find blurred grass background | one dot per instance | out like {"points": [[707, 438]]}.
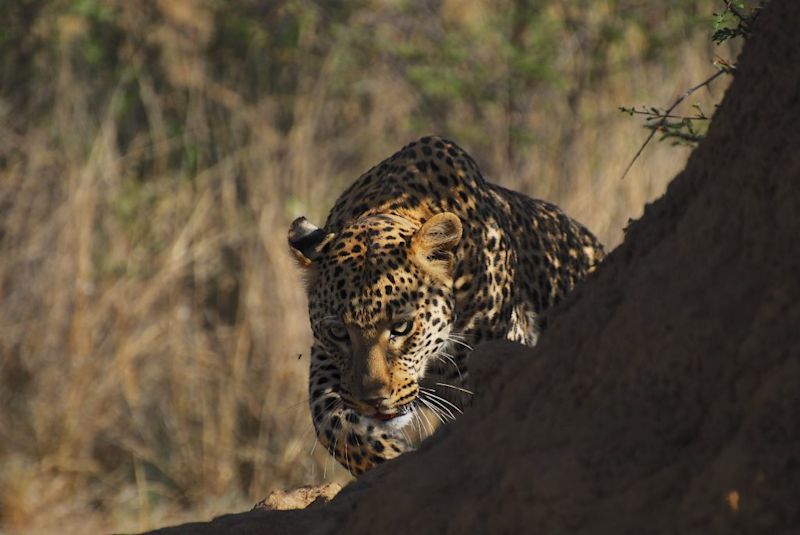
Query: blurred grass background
{"points": [[153, 332]]}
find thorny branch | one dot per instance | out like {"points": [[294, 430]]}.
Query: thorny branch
{"points": [[675, 129], [666, 115]]}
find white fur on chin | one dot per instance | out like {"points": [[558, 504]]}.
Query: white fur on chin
{"points": [[396, 423]]}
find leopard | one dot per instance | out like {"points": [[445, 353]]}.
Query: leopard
{"points": [[420, 260]]}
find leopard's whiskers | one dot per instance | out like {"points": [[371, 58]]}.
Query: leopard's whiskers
{"points": [[346, 460], [440, 405], [436, 413], [450, 338], [461, 336], [405, 435], [447, 357], [331, 456], [429, 426], [460, 389], [443, 417], [431, 395], [415, 419], [314, 445], [328, 418]]}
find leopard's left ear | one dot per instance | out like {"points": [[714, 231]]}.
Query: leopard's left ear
{"points": [[306, 240], [432, 245]]}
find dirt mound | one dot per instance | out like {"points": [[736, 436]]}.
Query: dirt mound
{"points": [[664, 398]]}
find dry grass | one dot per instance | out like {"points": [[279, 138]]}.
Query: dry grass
{"points": [[153, 336]]}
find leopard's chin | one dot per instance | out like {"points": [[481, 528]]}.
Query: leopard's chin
{"points": [[394, 420], [398, 422]]}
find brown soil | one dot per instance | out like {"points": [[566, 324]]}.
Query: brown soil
{"points": [[665, 398]]}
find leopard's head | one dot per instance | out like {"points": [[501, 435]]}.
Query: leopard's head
{"points": [[381, 305]]}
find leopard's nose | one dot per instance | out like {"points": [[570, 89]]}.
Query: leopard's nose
{"points": [[372, 391], [378, 402]]}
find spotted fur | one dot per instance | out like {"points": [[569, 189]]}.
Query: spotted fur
{"points": [[420, 260]]}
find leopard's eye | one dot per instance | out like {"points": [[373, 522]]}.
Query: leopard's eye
{"points": [[400, 328], [338, 332]]}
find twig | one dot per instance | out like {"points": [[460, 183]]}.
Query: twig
{"points": [[744, 22], [692, 138], [655, 115], [666, 113]]}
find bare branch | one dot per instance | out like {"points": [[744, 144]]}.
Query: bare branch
{"points": [[658, 115], [743, 21], [669, 110]]}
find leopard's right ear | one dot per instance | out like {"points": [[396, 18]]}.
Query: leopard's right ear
{"points": [[306, 240]]}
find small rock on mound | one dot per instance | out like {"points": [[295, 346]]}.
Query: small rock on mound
{"points": [[299, 498]]}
